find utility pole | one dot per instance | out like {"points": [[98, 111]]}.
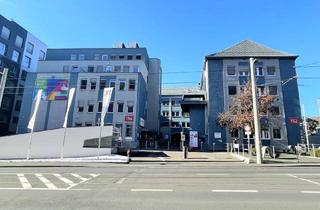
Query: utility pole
{"points": [[257, 140], [3, 83]]}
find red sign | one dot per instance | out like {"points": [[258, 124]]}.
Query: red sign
{"points": [[128, 118], [293, 120]]}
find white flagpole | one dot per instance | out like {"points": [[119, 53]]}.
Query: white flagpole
{"points": [[70, 97], [32, 121], [107, 92]]}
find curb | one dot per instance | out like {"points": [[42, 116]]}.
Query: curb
{"points": [[242, 158]]}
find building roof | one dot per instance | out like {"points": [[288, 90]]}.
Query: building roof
{"points": [[181, 91], [248, 48]]}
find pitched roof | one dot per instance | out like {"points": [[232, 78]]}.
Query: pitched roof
{"points": [[248, 48]]}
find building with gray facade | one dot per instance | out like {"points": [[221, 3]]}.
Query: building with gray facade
{"points": [[19, 52], [225, 72], [136, 79]]}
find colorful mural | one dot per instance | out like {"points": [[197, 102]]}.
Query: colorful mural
{"points": [[53, 89]]}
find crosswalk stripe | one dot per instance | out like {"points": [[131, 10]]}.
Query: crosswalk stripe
{"points": [[24, 181], [64, 179], [79, 177], [46, 181], [94, 175]]}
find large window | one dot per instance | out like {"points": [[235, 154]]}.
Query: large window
{"points": [[135, 69], [91, 69], [103, 84], [165, 113], [105, 57], [132, 84], [277, 133], [232, 90], [126, 68], [130, 107], [261, 90], [96, 57], [110, 107], [275, 110], [83, 84], [265, 134], [19, 41], [15, 56], [122, 85], [112, 83], [5, 33], [90, 106], [273, 90], [3, 49], [117, 68], [120, 106], [271, 70], [93, 84], [27, 61], [80, 105], [231, 70], [128, 130], [30, 47]]}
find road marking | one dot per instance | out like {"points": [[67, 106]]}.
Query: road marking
{"points": [[45, 189], [235, 191], [24, 181], [311, 192], [46, 181], [80, 177], [120, 181], [67, 181], [306, 180], [94, 175], [151, 190], [212, 174]]}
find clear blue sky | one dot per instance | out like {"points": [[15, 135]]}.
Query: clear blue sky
{"points": [[180, 32]]}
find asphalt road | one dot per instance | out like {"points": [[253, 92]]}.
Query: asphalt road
{"points": [[160, 186]]}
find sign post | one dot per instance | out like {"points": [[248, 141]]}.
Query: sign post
{"points": [[247, 129]]}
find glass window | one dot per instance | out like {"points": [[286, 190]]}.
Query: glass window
{"points": [[80, 106], [5, 33], [117, 68], [108, 68], [30, 47], [96, 57], [128, 130], [65, 68], [138, 57], [90, 68], [265, 134], [112, 57], [100, 68], [273, 90], [3, 49], [93, 84], [73, 57], [122, 85], [234, 133], [90, 106], [83, 84], [259, 71], [271, 70], [99, 106], [78, 124], [119, 126], [132, 84], [231, 70], [112, 83], [19, 41], [18, 105], [15, 56], [75, 69], [81, 57], [232, 90], [27, 61], [121, 57], [135, 69], [126, 68], [130, 107], [105, 57], [103, 84], [110, 107], [120, 106], [261, 90], [243, 73], [88, 124], [165, 103], [42, 55], [275, 111], [130, 57], [277, 133], [23, 75], [15, 120]]}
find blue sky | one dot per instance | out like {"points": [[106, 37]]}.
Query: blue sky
{"points": [[180, 32]]}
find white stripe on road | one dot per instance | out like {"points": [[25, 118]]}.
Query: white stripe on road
{"points": [[94, 175], [120, 181], [65, 180], [311, 192], [45, 189], [235, 191], [212, 174], [151, 190], [46, 182], [306, 180], [24, 181], [80, 177]]}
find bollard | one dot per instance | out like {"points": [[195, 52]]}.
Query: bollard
{"points": [[313, 151], [168, 145], [227, 147], [274, 152], [213, 147]]}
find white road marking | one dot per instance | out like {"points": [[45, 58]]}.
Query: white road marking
{"points": [[45, 189], [80, 177], [212, 174], [120, 181], [235, 191], [94, 175], [65, 180], [311, 192], [151, 190], [306, 180], [24, 181], [46, 181]]}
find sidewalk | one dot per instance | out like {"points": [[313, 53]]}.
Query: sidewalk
{"points": [[177, 156]]}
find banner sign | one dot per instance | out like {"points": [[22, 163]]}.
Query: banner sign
{"points": [[53, 89], [193, 139], [107, 92], [293, 120], [128, 118], [71, 93], [34, 114]]}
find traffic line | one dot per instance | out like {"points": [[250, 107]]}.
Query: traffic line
{"points": [[235, 191], [212, 174], [44, 189], [151, 190], [46, 181], [24, 181], [80, 177], [120, 181], [65, 180], [311, 192], [306, 180], [94, 175]]}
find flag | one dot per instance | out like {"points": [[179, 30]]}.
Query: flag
{"points": [[33, 117], [107, 92], [70, 97]]}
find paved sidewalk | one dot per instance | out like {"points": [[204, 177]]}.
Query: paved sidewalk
{"points": [[177, 156]]}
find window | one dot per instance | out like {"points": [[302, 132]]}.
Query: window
{"points": [[30, 47], [42, 55], [80, 106], [88, 123], [15, 120], [3, 49], [271, 70], [117, 68], [103, 84], [108, 69], [81, 57], [130, 107], [128, 130], [173, 102], [112, 57], [93, 84], [165, 103], [65, 68], [138, 57], [130, 57], [261, 90], [243, 69], [5, 33], [27, 61], [135, 69], [120, 106], [277, 133], [231, 70], [234, 133], [23, 75], [265, 134], [77, 124], [15, 56], [99, 106], [243, 73], [175, 114], [21, 89], [90, 68], [119, 126], [175, 124], [73, 57], [188, 125], [19, 41], [112, 83], [96, 57], [183, 124], [121, 57], [132, 84], [273, 90], [126, 69], [259, 71], [90, 106], [275, 111], [232, 90], [165, 113], [75, 69], [122, 85], [110, 107], [105, 57], [83, 84], [18, 105]]}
